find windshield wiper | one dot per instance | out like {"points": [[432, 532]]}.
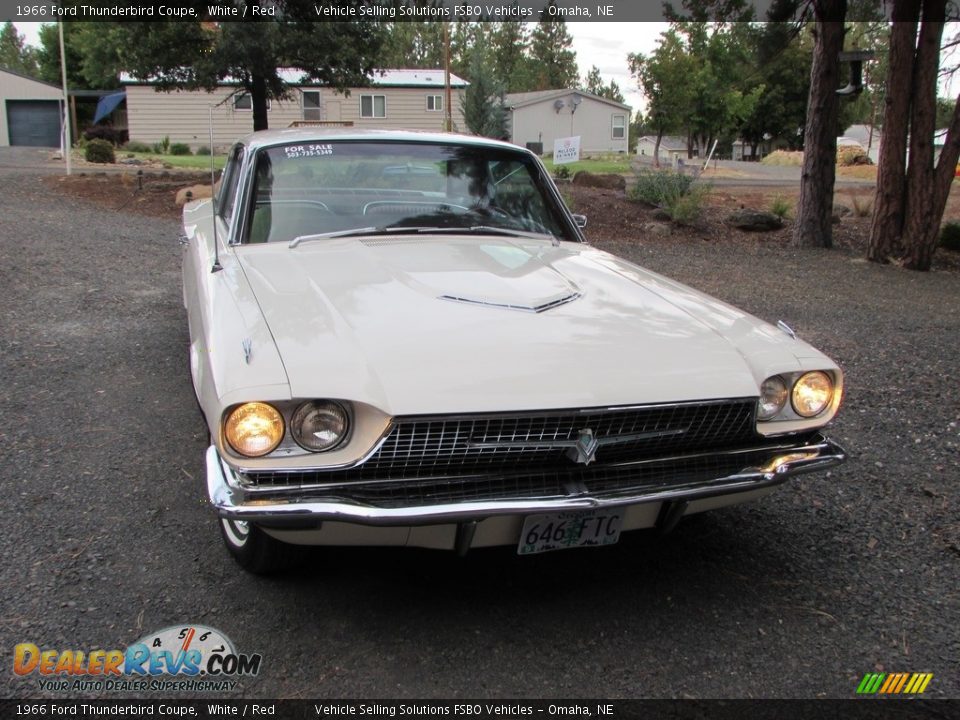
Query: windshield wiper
{"points": [[484, 230], [335, 234], [425, 229]]}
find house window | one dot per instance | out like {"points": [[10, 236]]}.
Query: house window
{"points": [[373, 106], [244, 101], [311, 105], [619, 126], [435, 102]]}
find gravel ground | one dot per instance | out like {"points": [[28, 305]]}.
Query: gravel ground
{"points": [[106, 535]]}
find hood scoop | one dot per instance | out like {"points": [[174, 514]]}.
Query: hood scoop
{"points": [[548, 304]]}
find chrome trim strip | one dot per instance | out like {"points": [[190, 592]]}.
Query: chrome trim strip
{"points": [[521, 308], [601, 442], [230, 502]]}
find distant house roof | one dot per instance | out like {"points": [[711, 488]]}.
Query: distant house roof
{"points": [[669, 143], [28, 77], [402, 77], [518, 100]]}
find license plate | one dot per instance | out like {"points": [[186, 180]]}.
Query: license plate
{"points": [[559, 531]]}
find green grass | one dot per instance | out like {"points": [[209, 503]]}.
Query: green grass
{"points": [[616, 164], [192, 162]]}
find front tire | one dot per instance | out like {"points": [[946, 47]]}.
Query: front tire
{"points": [[257, 552]]}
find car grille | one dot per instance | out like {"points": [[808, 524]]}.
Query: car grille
{"points": [[523, 455]]}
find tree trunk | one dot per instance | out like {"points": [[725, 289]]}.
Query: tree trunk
{"points": [[258, 96], [888, 213], [923, 211], [656, 148], [815, 206]]}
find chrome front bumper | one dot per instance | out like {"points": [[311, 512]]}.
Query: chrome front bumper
{"points": [[303, 508]]}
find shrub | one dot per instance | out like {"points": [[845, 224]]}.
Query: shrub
{"points": [[162, 147], [115, 136], [862, 207], [850, 155], [202, 150], [656, 187], [137, 147], [180, 149], [561, 172], [686, 209], [780, 206], [672, 191], [99, 151], [950, 236], [783, 157]]}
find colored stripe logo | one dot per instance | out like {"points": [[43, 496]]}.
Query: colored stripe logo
{"points": [[894, 683]]}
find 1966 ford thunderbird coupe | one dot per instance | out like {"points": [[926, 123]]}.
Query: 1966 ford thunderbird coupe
{"points": [[402, 339]]}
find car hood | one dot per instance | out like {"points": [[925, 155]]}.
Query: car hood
{"points": [[421, 324]]}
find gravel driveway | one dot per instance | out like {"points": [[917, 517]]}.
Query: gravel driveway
{"points": [[106, 535]]}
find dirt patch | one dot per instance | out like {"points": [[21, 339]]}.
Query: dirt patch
{"points": [[152, 194]]}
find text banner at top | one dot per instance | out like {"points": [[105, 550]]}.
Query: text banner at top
{"points": [[375, 10]]}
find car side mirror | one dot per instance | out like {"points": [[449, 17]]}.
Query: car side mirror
{"points": [[580, 220]]}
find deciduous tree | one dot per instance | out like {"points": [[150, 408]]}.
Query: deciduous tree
{"points": [[15, 54]]}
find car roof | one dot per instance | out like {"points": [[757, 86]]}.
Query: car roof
{"points": [[270, 138]]}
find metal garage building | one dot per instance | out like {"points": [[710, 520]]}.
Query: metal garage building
{"points": [[30, 111]]}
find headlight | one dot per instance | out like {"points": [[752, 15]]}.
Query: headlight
{"points": [[773, 396], [254, 429], [812, 394], [319, 425]]}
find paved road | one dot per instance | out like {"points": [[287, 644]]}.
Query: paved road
{"points": [[106, 535]]}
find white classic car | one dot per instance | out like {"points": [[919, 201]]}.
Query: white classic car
{"points": [[401, 338]]}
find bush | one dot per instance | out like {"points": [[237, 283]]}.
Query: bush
{"points": [[561, 172], [850, 155], [686, 209], [114, 136], [162, 147], [780, 206], [783, 157], [672, 191], [657, 187], [180, 149], [202, 150], [862, 207], [99, 151], [950, 236], [137, 147]]}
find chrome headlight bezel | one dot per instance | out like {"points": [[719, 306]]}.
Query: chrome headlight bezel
{"points": [[302, 414], [789, 418], [807, 380], [261, 417], [773, 397]]}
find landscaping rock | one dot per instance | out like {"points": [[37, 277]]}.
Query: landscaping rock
{"points": [[754, 220], [653, 228], [661, 214], [608, 181], [842, 211]]}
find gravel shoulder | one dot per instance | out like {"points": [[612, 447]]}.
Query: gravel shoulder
{"points": [[107, 535]]}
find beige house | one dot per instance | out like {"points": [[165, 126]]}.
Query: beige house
{"points": [[396, 100], [30, 111], [538, 118]]}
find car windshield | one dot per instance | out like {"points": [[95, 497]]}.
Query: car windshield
{"points": [[335, 188]]}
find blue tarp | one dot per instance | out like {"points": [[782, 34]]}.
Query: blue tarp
{"points": [[107, 104]]}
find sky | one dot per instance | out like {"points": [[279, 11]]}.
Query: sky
{"points": [[604, 44]]}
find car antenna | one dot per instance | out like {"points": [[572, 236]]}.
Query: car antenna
{"points": [[213, 201]]}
